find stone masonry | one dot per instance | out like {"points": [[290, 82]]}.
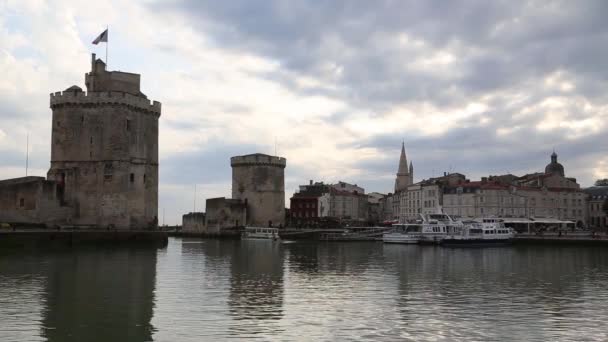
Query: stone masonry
{"points": [[259, 181], [104, 153]]}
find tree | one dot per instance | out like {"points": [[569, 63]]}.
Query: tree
{"points": [[601, 182]]}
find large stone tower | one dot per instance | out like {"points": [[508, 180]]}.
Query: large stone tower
{"points": [[104, 150], [405, 176], [259, 180]]}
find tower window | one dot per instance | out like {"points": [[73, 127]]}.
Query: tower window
{"points": [[128, 125], [132, 177], [91, 140], [22, 202], [144, 178]]}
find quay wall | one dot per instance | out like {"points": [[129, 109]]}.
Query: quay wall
{"points": [[51, 238]]}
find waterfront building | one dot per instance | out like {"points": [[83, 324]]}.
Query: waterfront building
{"points": [[373, 206], [337, 201], [549, 195], [307, 205], [104, 159], [597, 197], [426, 196]]}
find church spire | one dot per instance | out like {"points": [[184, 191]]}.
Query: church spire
{"points": [[404, 175], [402, 161]]}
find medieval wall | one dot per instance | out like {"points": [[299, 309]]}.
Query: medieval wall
{"points": [[224, 213], [193, 222], [31, 200]]}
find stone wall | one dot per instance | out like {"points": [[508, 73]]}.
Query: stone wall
{"points": [[31, 200], [193, 222], [224, 213], [259, 181]]}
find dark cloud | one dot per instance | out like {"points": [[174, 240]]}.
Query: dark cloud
{"points": [[497, 44]]}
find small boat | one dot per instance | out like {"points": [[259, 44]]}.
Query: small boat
{"points": [[487, 232], [260, 233], [403, 233]]}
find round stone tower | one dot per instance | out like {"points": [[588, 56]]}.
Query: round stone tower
{"points": [[259, 180], [104, 151]]}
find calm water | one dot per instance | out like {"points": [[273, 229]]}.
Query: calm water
{"points": [[198, 290]]}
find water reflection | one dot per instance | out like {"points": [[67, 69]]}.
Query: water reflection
{"points": [[213, 290], [82, 294], [256, 287]]}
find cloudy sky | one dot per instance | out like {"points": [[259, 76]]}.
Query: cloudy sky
{"points": [[477, 87]]}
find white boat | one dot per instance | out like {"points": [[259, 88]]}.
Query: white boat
{"points": [[260, 233], [480, 233], [403, 233], [430, 228], [435, 227]]}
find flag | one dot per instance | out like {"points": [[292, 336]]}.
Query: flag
{"points": [[103, 37]]}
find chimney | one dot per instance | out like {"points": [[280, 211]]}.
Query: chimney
{"points": [[93, 62], [311, 182]]}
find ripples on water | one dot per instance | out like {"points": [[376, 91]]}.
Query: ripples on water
{"points": [[214, 290]]}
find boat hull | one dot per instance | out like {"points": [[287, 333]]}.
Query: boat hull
{"points": [[403, 241], [476, 242]]}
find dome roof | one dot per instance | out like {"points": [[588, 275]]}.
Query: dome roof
{"points": [[554, 167], [74, 88]]}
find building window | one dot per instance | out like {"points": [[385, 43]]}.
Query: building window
{"points": [[128, 125], [132, 177], [22, 202], [144, 178]]}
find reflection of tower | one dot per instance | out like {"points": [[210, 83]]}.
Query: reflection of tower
{"points": [[104, 150], [259, 180], [256, 283], [100, 295], [405, 176]]}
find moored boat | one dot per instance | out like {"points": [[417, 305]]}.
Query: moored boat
{"points": [[262, 233], [403, 233], [486, 232]]}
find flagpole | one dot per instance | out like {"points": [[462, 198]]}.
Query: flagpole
{"points": [[27, 152], [107, 43]]}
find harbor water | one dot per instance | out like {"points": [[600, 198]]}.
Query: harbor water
{"points": [[200, 290]]}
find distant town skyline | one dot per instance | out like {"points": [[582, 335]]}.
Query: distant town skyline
{"points": [[477, 88]]}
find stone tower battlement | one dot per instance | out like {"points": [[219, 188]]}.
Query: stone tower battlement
{"points": [[75, 97], [104, 150], [258, 159], [259, 181]]}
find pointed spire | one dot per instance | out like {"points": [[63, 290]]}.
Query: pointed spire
{"points": [[402, 161]]}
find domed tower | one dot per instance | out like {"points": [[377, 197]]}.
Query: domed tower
{"points": [[259, 180], [104, 150], [554, 167]]}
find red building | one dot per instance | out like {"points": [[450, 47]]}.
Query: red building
{"points": [[303, 207]]}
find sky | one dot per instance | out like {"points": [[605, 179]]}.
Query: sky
{"points": [[476, 87]]}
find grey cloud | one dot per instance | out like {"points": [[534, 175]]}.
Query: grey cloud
{"points": [[501, 48]]}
